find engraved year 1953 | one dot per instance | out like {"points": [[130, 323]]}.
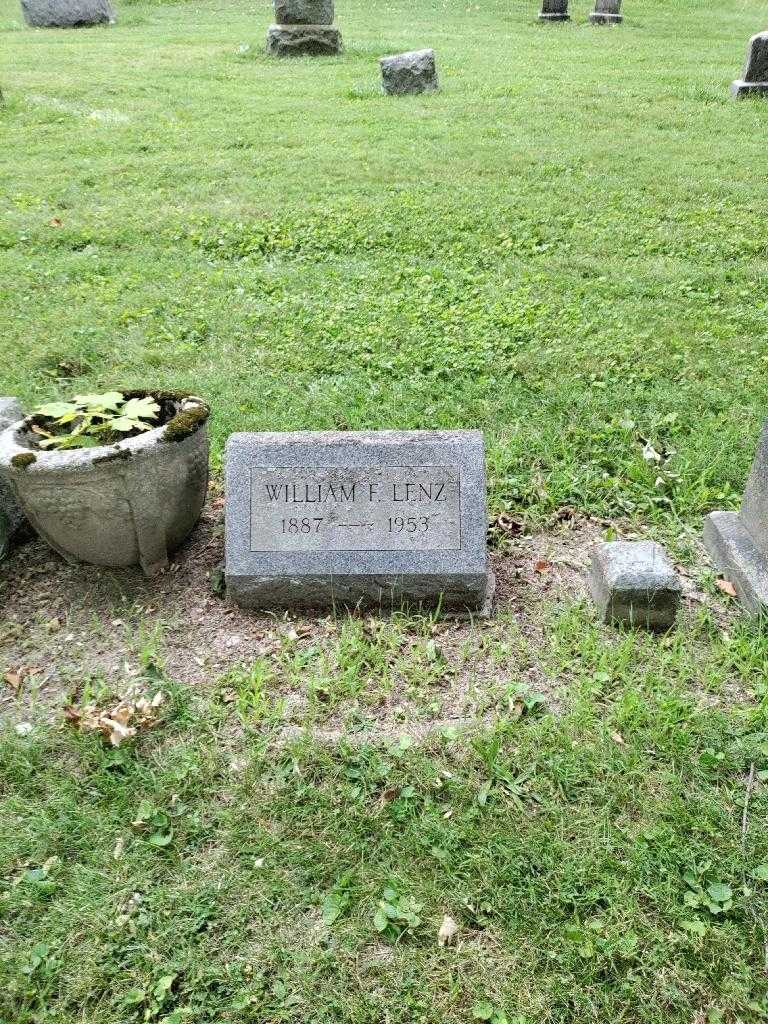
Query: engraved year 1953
{"points": [[386, 508]]}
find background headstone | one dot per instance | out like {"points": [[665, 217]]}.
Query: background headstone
{"points": [[606, 12], [304, 12], [413, 72], [738, 541], [755, 79], [67, 13], [380, 518], [634, 583], [303, 28], [554, 10]]}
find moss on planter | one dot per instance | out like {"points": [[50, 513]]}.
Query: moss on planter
{"points": [[23, 460], [121, 454], [185, 423], [159, 396]]}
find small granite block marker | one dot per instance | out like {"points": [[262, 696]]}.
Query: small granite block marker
{"points": [[738, 541], [303, 28], [755, 80], [634, 583], [67, 13], [374, 519], [554, 10], [606, 12], [409, 73]]}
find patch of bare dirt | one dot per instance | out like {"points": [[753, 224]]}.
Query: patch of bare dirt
{"points": [[66, 627]]}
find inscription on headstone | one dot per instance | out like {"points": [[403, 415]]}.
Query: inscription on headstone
{"points": [[384, 518], [402, 508]]}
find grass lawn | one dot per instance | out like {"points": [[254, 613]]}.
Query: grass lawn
{"points": [[565, 247]]}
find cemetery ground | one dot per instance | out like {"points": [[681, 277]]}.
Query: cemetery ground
{"points": [[565, 248]]}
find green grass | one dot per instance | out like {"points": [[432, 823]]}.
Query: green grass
{"points": [[566, 248], [579, 855], [568, 239]]}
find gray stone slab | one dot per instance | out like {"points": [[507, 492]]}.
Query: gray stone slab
{"points": [[606, 12], [554, 10], [409, 73], [635, 584], [738, 541], [375, 519], [303, 40], [304, 12], [740, 90], [736, 555], [67, 13], [754, 505]]}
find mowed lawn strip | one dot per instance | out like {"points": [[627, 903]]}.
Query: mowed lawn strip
{"points": [[565, 247]]}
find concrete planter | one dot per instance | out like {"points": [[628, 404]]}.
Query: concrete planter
{"points": [[122, 504]]}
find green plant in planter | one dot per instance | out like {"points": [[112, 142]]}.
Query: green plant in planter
{"points": [[91, 420]]}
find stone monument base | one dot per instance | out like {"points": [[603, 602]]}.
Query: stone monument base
{"points": [[739, 559], [452, 594], [740, 89], [600, 18], [303, 40], [559, 16]]}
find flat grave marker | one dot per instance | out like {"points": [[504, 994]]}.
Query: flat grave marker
{"points": [[382, 518]]}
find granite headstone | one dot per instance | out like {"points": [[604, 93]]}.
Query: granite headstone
{"points": [[554, 10], [755, 79], [303, 28], [606, 12], [372, 519], [738, 541], [67, 13], [409, 73], [634, 583]]}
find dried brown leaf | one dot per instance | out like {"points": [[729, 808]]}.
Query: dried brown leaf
{"points": [[449, 929], [14, 679]]}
